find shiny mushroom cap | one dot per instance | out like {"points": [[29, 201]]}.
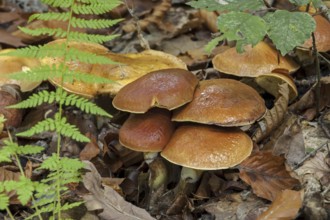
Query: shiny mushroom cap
{"points": [[130, 67], [148, 132], [223, 102], [321, 33], [205, 147], [271, 81], [12, 64], [261, 59], [169, 89]]}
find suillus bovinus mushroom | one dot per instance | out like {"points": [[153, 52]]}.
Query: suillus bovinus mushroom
{"points": [[222, 102], [168, 88], [253, 62]]}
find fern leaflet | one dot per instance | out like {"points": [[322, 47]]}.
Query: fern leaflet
{"points": [[93, 23], [95, 38], [64, 16], [60, 126], [95, 8], [56, 32]]}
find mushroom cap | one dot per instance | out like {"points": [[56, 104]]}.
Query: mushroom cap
{"points": [[148, 132], [321, 33], [253, 62], [206, 147], [169, 88], [130, 68], [223, 102], [12, 64], [271, 81]]}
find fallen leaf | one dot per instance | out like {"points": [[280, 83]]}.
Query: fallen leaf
{"points": [[285, 206], [90, 150], [316, 166], [9, 39], [266, 174], [106, 200], [291, 144], [273, 117], [6, 175]]}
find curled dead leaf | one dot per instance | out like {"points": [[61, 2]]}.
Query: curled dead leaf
{"points": [[266, 174], [275, 116]]}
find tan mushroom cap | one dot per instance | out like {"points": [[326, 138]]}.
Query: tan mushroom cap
{"points": [[169, 88], [261, 59], [148, 132], [271, 81], [206, 147], [321, 33], [11, 64], [131, 67], [223, 102]]}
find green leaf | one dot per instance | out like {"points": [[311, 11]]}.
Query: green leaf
{"points": [[4, 201], [242, 27], [213, 43], [231, 5], [300, 2], [289, 29]]}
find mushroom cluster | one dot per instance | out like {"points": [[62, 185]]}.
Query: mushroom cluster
{"points": [[207, 115]]}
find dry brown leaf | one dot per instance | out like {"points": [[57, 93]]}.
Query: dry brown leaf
{"points": [[107, 201], [273, 117], [291, 144], [285, 206], [90, 150], [266, 174], [6, 175], [9, 39], [210, 19], [6, 17]]}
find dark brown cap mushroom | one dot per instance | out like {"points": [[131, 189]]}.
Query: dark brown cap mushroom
{"points": [[260, 59], [205, 147], [168, 88], [148, 132], [223, 102]]}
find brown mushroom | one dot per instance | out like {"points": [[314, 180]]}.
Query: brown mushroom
{"points": [[223, 102], [11, 64], [130, 67], [169, 88], [148, 132], [271, 81], [261, 59], [321, 33], [204, 147]]}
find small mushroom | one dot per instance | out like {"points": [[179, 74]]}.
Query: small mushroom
{"points": [[223, 102], [12, 64], [271, 81], [168, 88], [261, 59], [149, 133]]}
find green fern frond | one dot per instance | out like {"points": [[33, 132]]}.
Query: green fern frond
{"points": [[24, 188], [95, 8], [94, 38], [59, 16], [87, 57], [60, 126], [11, 148], [93, 23], [59, 3], [68, 206], [38, 51], [4, 201], [63, 98], [55, 32]]}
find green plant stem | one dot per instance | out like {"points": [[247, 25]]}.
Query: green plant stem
{"points": [[10, 214], [318, 75]]}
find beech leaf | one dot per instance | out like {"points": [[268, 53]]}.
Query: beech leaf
{"points": [[289, 29], [266, 174], [273, 117], [285, 206], [243, 28], [107, 201]]}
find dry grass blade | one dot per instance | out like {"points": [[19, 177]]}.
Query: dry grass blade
{"points": [[273, 117], [266, 174]]}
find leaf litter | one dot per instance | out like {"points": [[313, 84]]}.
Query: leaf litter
{"points": [[292, 154]]}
